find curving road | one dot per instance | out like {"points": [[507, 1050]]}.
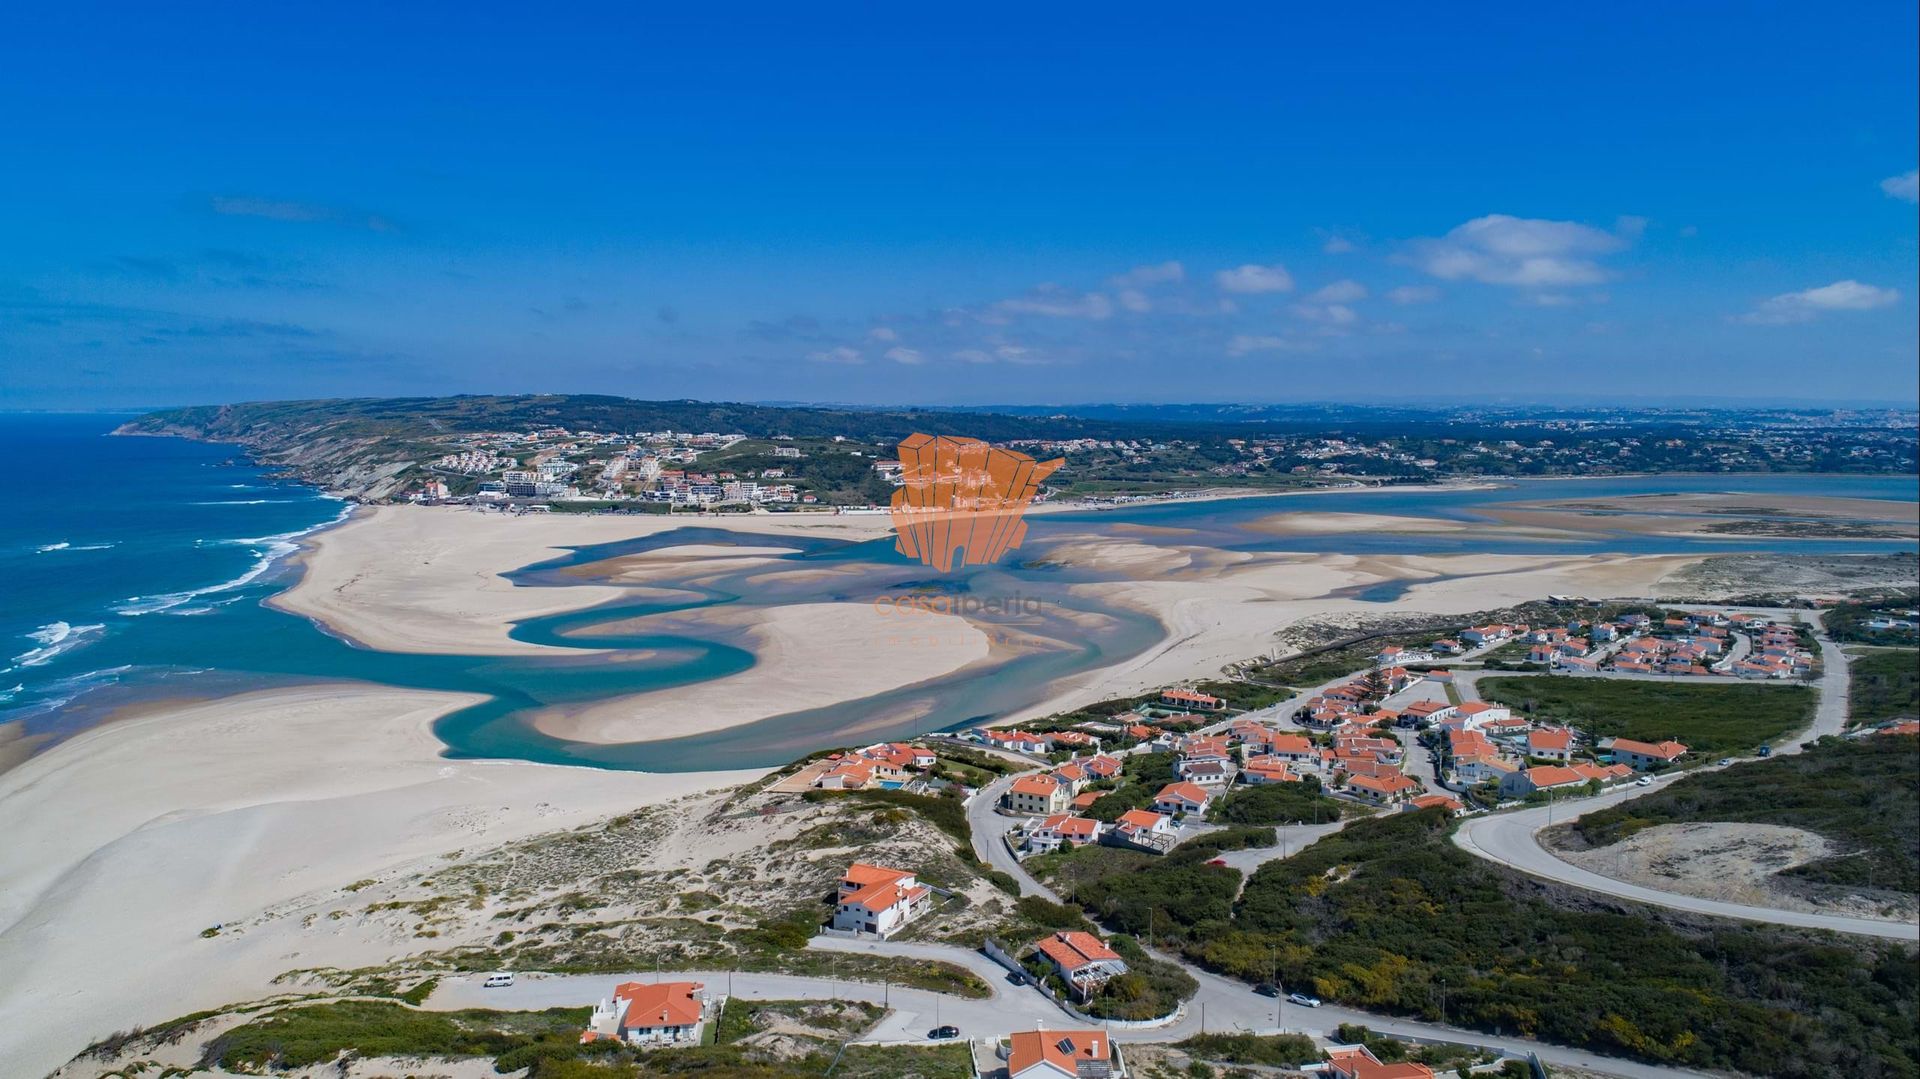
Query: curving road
{"points": [[1223, 1004], [1512, 839]]}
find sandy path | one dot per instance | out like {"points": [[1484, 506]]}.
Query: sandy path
{"points": [[124, 843]]}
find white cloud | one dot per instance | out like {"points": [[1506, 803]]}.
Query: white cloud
{"points": [[973, 355], [882, 333], [1337, 245], [1342, 291], [1905, 186], [1252, 278], [1809, 304], [1406, 294], [1334, 314], [1134, 300], [1160, 273], [1243, 343], [1500, 249], [1052, 301], [908, 356], [843, 354]]}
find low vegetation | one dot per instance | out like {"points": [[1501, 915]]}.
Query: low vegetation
{"points": [[1712, 720], [750, 1040], [1862, 794], [1277, 803], [1281, 1051], [1885, 686], [1388, 914], [1848, 621], [317, 1033]]}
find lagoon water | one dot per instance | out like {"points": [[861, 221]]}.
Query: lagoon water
{"points": [[136, 568]]}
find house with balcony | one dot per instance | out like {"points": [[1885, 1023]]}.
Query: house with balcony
{"points": [[877, 900], [656, 1013], [1083, 961]]}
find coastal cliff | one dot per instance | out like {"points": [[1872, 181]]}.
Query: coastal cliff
{"points": [[323, 446]]}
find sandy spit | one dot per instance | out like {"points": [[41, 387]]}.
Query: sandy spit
{"points": [[126, 842]]}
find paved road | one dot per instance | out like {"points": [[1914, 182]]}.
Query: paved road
{"points": [[1512, 839], [915, 1011], [989, 830], [1223, 1004]]}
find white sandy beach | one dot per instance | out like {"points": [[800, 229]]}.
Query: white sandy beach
{"points": [[807, 656], [126, 842], [428, 579], [129, 840]]}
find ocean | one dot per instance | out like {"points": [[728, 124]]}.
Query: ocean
{"points": [[136, 569]]}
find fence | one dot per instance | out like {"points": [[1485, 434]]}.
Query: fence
{"points": [[992, 950]]}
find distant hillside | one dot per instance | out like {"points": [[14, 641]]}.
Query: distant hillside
{"points": [[379, 448], [370, 447]]}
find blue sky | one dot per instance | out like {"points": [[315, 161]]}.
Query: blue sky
{"points": [[984, 204]]}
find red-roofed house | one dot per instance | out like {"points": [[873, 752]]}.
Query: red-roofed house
{"points": [[1358, 1062], [1553, 743], [1477, 712], [640, 1012], [1292, 747], [1383, 790], [1267, 770], [1180, 799], [1061, 1054], [851, 773], [1193, 702], [875, 899], [1062, 829], [1432, 801], [1643, 755], [1083, 960], [1144, 830], [1039, 795]]}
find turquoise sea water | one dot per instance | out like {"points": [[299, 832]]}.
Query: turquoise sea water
{"points": [[136, 567]]}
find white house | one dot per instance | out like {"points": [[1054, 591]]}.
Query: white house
{"points": [[877, 900], [650, 1013]]}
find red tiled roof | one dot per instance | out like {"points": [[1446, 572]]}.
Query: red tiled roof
{"points": [[654, 1005], [1063, 1049]]}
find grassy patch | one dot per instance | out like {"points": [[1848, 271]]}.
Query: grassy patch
{"points": [[1862, 794], [1142, 776], [1276, 803], [1884, 685], [316, 1033], [1282, 1051], [905, 1062], [1385, 913], [1712, 720]]}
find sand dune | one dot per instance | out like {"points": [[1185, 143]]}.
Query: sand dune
{"points": [[125, 842]]}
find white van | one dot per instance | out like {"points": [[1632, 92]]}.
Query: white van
{"points": [[497, 981]]}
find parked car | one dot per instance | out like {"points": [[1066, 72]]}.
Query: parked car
{"points": [[497, 981], [1218, 861], [943, 1033], [1643, 781], [1303, 1000], [1766, 751], [1267, 989], [1724, 761]]}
